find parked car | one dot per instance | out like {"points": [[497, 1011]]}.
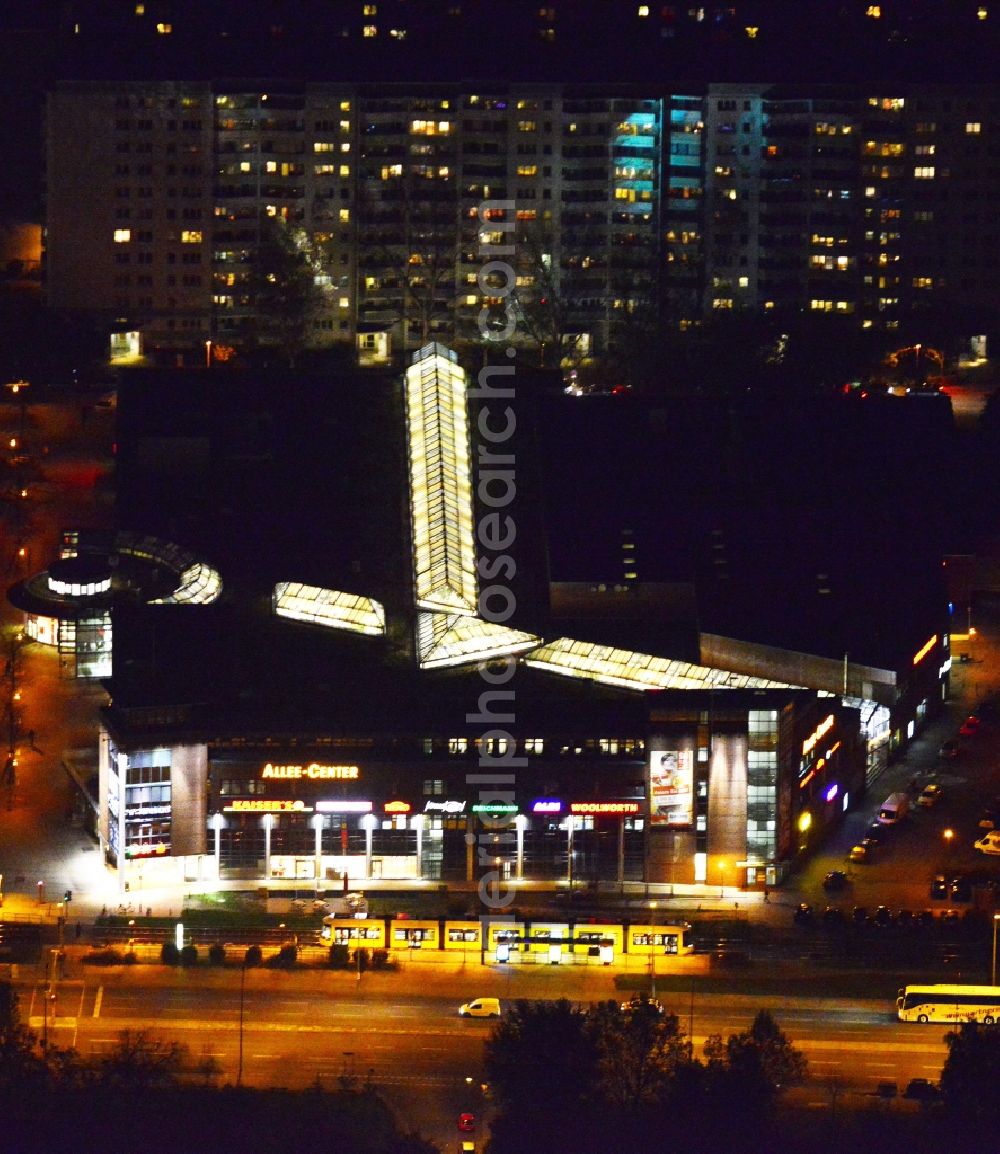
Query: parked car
{"points": [[989, 819], [803, 916], [905, 919], [882, 916], [467, 1122], [950, 748], [930, 795], [834, 917], [921, 1090], [990, 843], [969, 726], [860, 854], [835, 880], [961, 889], [642, 1002], [859, 915]]}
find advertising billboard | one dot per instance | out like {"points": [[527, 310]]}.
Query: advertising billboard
{"points": [[671, 787]]}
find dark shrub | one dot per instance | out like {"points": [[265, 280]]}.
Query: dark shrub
{"points": [[104, 957], [362, 960], [170, 955], [286, 957], [340, 956], [189, 956], [382, 961], [217, 954], [254, 956]]}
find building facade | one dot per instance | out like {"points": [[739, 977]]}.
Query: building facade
{"points": [[629, 202]]}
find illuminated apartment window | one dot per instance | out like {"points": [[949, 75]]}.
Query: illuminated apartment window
{"points": [[323, 146], [527, 170], [123, 235], [271, 166], [722, 303], [344, 170], [534, 745], [430, 127], [471, 299], [345, 147], [744, 282], [458, 744], [532, 126], [369, 31], [370, 10], [192, 236], [923, 282], [325, 169], [924, 172], [924, 150], [345, 106], [643, 9], [973, 127], [164, 29], [345, 302]]}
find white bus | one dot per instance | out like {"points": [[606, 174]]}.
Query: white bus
{"points": [[947, 1003]]}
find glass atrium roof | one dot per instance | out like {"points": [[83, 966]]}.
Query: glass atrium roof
{"points": [[329, 607], [444, 553], [454, 639], [630, 670]]}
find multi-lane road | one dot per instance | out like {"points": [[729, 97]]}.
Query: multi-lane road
{"points": [[297, 1029]]}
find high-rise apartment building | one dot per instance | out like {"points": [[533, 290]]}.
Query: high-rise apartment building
{"points": [[157, 218], [626, 203]]}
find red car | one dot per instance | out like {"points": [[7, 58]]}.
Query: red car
{"points": [[467, 1123]]}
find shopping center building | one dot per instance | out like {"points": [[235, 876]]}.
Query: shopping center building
{"points": [[350, 709]]}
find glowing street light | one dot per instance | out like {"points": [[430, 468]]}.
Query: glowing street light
{"points": [[993, 972]]}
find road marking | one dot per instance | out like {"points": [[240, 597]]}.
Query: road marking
{"points": [[98, 1000]]}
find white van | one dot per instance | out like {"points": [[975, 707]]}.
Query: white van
{"points": [[893, 809], [480, 1008]]}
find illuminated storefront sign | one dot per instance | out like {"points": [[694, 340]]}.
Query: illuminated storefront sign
{"points": [[495, 807], [313, 771], [817, 735], [397, 807], [444, 807], [831, 792], [266, 805], [546, 805], [924, 650], [343, 805], [156, 850], [671, 787], [604, 808]]}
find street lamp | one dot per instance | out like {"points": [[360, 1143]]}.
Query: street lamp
{"points": [[993, 972], [243, 980]]}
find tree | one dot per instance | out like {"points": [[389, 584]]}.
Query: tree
{"points": [[971, 1072], [284, 287], [765, 1048], [639, 1053], [540, 1054], [545, 300], [409, 227], [140, 1062]]}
